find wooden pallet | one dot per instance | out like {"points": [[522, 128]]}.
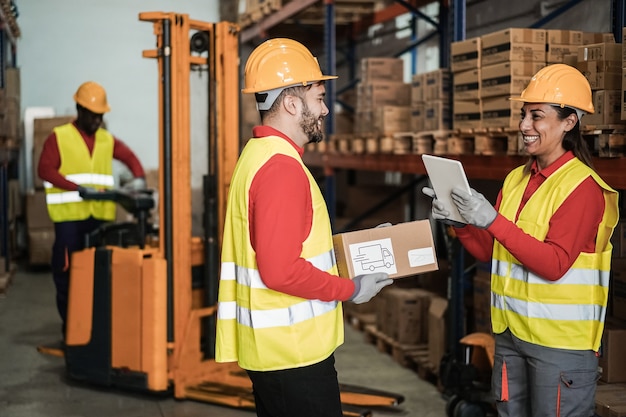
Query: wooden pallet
{"points": [[414, 357], [605, 141], [431, 141], [359, 320]]}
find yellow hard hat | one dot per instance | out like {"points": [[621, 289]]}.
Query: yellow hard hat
{"points": [[559, 84], [92, 96], [280, 63]]}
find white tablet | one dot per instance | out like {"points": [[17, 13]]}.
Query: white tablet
{"points": [[444, 175]]}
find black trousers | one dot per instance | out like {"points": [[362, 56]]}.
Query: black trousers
{"points": [[310, 391], [69, 238]]}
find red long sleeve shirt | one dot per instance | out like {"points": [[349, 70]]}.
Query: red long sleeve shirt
{"points": [[573, 228], [281, 215], [50, 160]]}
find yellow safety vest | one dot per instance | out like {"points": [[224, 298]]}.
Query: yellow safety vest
{"points": [[85, 169], [568, 313], [263, 329]]}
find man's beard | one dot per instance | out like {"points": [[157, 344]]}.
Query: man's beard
{"points": [[308, 123]]}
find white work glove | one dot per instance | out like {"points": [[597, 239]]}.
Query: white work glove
{"points": [[474, 207], [439, 211], [136, 184], [387, 224], [368, 285]]}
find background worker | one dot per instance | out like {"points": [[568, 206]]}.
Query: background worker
{"points": [[279, 310], [78, 157], [548, 240]]}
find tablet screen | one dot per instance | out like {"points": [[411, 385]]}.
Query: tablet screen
{"points": [[444, 175]]}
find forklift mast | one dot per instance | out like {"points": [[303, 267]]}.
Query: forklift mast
{"points": [[182, 43]]}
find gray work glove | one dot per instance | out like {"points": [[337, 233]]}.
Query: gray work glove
{"points": [[136, 184], [474, 207], [82, 191], [439, 211], [368, 285]]}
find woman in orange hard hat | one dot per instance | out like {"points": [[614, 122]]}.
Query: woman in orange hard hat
{"points": [[548, 240], [279, 304]]}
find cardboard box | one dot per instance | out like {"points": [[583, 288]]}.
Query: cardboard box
{"points": [[392, 119], [467, 114], [562, 43], [382, 69], [612, 361], [500, 112], [437, 85], [601, 63], [564, 37], [12, 83], [37, 211], [40, 243], [507, 78], [401, 250], [406, 315], [465, 54], [417, 89], [466, 85], [437, 330], [607, 106], [598, 37], [417, 117], [514, 44], [380, 93], [437, 115]]}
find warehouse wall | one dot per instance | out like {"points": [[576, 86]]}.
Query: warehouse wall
{"points": [[67, 42]]}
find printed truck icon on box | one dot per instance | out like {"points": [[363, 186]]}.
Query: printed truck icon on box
{"points": [[373, 257]]}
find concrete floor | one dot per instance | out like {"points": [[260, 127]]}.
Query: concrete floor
{"points": [[34, 385]]}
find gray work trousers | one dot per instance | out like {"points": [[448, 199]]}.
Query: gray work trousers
{"points": [[535, 381]]}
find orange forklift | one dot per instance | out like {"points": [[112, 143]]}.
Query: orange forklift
{"points": [[135, 320]]}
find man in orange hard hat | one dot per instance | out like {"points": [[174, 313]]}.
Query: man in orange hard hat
{"points": [[279, 306], [78, 157]]}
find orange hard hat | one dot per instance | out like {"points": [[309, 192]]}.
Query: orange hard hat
{"points": [[280, 63], [92, 96], [559, 84]]}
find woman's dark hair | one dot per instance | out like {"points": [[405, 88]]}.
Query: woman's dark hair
{"points": [[573, 140]]}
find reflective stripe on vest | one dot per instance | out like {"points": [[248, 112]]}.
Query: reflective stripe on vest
{"points": [[87, 169], [568, 313], [261, 328]]}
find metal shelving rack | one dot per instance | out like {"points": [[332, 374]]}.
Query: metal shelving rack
{"points": [[451, 27], [9, 33]]}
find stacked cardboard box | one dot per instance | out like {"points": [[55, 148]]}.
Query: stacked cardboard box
{"points": [[437, 88], [10, 102], [562, 43], [465, 66], [382, 96], [509, 59], [40, 229], [417, 103]]}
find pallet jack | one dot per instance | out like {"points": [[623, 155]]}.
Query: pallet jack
{"points": [[132, 322]]}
